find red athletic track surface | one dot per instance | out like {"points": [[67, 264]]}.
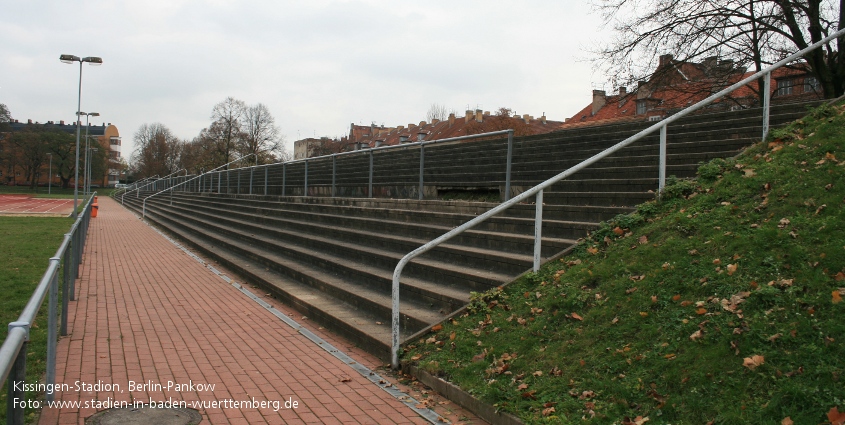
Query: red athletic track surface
{"points": [[28, 205]]}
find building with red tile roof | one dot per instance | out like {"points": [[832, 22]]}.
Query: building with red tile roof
{"points": [[676, 85], [473, 122]]}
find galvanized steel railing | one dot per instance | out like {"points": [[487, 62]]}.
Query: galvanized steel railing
{"points": [[14, 349], [537, 191], [210, 183], [170, 187]]}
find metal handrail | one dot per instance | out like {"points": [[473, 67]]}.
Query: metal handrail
{"points": [[13, 351], [138, 189], [144, 204], [538, 190]]}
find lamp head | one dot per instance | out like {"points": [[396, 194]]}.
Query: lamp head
{"points": [[93, 60], [69, 58], [94, 114]]}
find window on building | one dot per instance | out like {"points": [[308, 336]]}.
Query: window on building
{"points": [[784, 87], [641, 107], [811, 84]]}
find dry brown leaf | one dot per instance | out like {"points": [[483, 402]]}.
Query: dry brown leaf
{"points": [[576, 316], [753, 361], [732, 269], [837, 298], [835, 416], [642, 240], [618, 231], [522, 387], [696, 335], [437, 328], [593, 250], [787, 421], [839, 277], [549, 411]]}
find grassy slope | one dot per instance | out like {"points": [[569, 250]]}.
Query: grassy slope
{"points": [[26, 245], [655, 315]]}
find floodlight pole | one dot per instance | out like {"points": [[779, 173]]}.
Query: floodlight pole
{"points": [[50, 175], [94, 61]]}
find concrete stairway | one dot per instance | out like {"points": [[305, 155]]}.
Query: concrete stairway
{"points": [[333, 258]]}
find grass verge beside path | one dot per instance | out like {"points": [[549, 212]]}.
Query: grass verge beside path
{"points": [[26, 245], [721, 303]]}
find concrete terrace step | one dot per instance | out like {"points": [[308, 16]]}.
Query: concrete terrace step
{"points": [[282, 224], [360, 326]]}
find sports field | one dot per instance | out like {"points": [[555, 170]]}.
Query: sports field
{"points": [[27, 205]]}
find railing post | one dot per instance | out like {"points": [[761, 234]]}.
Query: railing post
{"points": [[767, 99], [266, 173], [370, 186], [508, 166], [66, 295], [661, 181], [306, 179], [238, 180], [52, 325], [284, 177], [15, 411], [219, 180], [538, 230], [251, 172], [422, 167], [334, 175]]}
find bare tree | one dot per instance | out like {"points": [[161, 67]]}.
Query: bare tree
{"points": [[260, 135], [157, 150], [436, 112], [227, 116], [751, 33]]}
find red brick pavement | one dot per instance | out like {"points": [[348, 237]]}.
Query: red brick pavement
{"points": [[147, 312]]}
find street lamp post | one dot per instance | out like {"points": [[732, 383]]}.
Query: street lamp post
{"points": [[50, 178], [86, 180], [92, 60], [88, 166]]}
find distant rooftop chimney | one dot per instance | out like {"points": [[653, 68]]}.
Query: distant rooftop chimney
{"points": [[599, 100], [666, 59], [479, 116], [468, 115], [623, 90], [451, 119]]}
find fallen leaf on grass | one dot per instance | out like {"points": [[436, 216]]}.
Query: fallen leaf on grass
{"points": [[593, 250], [437, 328], [639, 420], [787, 421], [753, 361], [836, 417], [836, 297], [642, 240], [549, 411], [732, 269], [696, 335]]}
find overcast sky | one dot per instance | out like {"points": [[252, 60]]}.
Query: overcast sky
{"points": [[317, 65]]}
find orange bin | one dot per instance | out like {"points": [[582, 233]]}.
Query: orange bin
{"points": [[95, 207]]}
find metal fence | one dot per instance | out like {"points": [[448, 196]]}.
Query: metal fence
{"points": [[317, 176], [537, 191], [13, 352]]}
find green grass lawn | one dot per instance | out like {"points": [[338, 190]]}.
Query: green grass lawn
{"points": [[721, 303], [26, 245]]}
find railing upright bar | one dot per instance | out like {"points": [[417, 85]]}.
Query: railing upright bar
{"points": [[305, 193], [266, 172], [661, 181], [66, 295], [422, 168], [52, 337], [508, 167], [370, 185], [334, 176], [15, 411], [284, 177], [767, 99], [538, 231]]}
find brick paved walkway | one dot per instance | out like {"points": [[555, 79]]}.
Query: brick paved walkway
{"points": [[147, 312]]}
